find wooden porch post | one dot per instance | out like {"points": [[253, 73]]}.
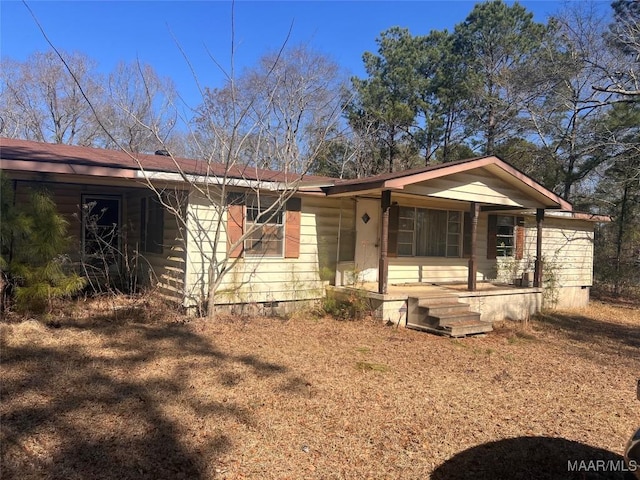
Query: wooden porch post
{"points": [[383, 268], [537, 274], [473, 267]]}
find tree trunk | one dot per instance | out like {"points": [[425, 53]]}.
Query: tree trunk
{"points": [[211, 293], [623, 210]]}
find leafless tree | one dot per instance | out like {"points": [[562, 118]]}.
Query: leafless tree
{"points": [[40, 100], [564, 109], [140, 108], [295, 79], [278, 115], [624, 37]]}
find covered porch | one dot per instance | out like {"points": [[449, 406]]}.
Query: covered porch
{"points": [[439, 240]]}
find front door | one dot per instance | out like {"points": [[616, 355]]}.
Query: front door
{"points": [[367, 239]]}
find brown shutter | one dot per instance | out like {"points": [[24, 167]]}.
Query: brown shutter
{"points": [[492, 233], [394, 222], [519, 238], [235, 223], [292, 228], [466, 235]]}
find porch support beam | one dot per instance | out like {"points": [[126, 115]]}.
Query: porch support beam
{"points": [[383, 267], [537, 274], [499, 208], [474, 210]]}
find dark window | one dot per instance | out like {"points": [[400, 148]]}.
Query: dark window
{"points": [[428, 233], [101, 226], [151, 225]]}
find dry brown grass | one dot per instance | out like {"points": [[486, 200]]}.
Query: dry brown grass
{"points": [[139, 396]]}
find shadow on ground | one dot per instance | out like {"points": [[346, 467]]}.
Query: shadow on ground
{"points": [[77, 412], [607, 337], [536, 458]]}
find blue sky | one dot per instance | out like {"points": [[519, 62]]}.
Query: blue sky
{"points": [[110, 31]]}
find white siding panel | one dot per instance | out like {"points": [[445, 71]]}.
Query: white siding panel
{"points": [[467, 187], [202, 220], [267, 279], [441, 269], [568, 249]]}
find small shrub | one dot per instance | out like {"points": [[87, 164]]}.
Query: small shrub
{"points": [[351, 307]]}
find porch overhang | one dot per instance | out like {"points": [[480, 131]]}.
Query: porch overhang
{"points": [[480, 175], [483, 184]]}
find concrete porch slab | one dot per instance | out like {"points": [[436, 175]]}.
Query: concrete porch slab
{"points": [[494, 302]]}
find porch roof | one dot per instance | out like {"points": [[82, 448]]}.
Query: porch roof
{"points": [[490, 180]]}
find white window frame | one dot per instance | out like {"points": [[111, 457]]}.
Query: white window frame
{"points": [[263, 208], [503, 249]]}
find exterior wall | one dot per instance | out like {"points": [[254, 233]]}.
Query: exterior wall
{"points": [[166, 270], [571, 297], [444, 269], [567, 254], [567, 247], [68, 199], [265, 280], [202, 220], [567, 243]]}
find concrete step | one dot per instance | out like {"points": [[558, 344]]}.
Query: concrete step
{"points": [[454, 318], [446, 308], [462, 329], [437, 298], [426, 328]]}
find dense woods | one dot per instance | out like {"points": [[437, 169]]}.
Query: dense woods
{"points": [[559, 100]]}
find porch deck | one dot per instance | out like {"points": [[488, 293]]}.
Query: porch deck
{"points": [[450, 309], [419, 289]]}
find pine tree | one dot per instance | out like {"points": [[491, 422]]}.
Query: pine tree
{"points": [[33, 239]]}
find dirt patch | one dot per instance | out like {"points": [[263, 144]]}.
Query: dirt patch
{"points": [[138, 396]]}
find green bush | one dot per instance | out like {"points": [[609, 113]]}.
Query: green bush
{"points": [[33, 239]]}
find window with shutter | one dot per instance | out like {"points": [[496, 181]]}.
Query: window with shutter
{"points": [[151, 225], [505, 236], [272, 231]]}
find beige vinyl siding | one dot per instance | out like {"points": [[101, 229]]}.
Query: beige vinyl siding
{"points": [[201, 224], [287, 279], [479, 186], [567, 247], [166, 270]]}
